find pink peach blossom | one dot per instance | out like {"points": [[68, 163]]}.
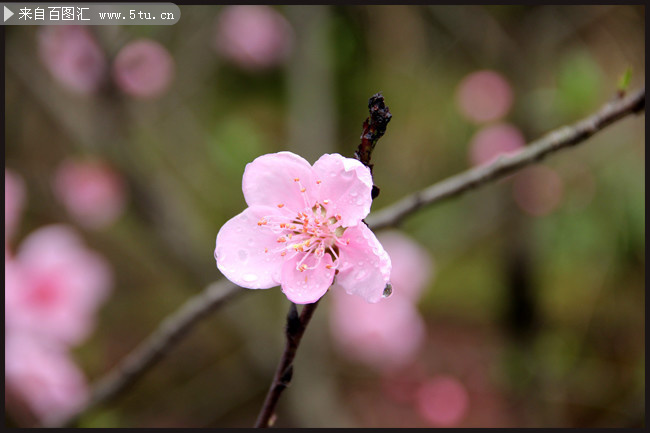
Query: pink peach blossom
{"points": [[253, 36], [44, 377], [484, 96], [14, 201], [442, 401], [492, 141], [303, 225], [143, 69], [92, 192], [54, 286], [73, 57]]}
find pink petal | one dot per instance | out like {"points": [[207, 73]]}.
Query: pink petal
{"points": [[269, 181], [347, 184], [241, 250], [305, 287], [366, 266]]}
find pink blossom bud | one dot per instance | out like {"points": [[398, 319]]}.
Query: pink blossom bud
{"points": [[92, 192], [73, 57], [253, 37], [143, 69], [484, 96]]}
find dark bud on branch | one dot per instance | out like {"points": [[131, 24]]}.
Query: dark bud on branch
{"points": [[374, 128]]}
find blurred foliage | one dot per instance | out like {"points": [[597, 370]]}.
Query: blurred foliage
{"points": [[582, 362]]}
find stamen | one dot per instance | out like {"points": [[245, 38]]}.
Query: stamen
{"points": [[282, 239], [326, 202], [281, 205], [296, 179], [319, 182]]}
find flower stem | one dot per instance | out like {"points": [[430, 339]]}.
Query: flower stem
{"points": [[296, 326]]}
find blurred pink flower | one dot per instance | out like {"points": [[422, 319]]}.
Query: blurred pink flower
{"points": [[54, 286], [253, 36], [387, 335], [442, 401], [492, 141], [538, 190], [384, 336], [14, 201], [73, 57], [484, 96], [143, 69], [92, 192], [302, 225], [44, 377]]}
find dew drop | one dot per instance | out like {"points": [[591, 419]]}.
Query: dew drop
{"points": [[249, 277], [353, 193], [243, 255], [388, 290], [360, 275], [359, 201]]}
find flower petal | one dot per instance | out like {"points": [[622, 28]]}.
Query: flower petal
{"points": [[347, 184], [365, 265], [241, 250], [306, 287], [269, 181]]}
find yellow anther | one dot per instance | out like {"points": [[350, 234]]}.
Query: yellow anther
{"points": [[281, 205], [319, 182], [296, 179], [302, 267], [266, 250], [303, 189], [261, 222], [326, 202], [283, 253], [282, 239]]}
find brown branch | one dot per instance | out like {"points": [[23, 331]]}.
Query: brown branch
{"points": [[296, 326], [179, 323], [556, 140]]}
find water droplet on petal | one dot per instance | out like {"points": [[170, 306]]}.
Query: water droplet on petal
{"points": [[388, 290], [359, 201], [249, 277], [243, 255], [360, 274], [353, 193]]}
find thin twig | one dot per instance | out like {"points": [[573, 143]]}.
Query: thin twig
{"points": [[295, 329], [175, 326], [170, 331], [537, 150]]}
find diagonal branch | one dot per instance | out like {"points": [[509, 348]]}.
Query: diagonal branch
{"points": [[179, 323], [171, 330], [552, 142]]}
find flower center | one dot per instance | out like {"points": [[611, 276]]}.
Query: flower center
{"points": [[309, 232]]}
